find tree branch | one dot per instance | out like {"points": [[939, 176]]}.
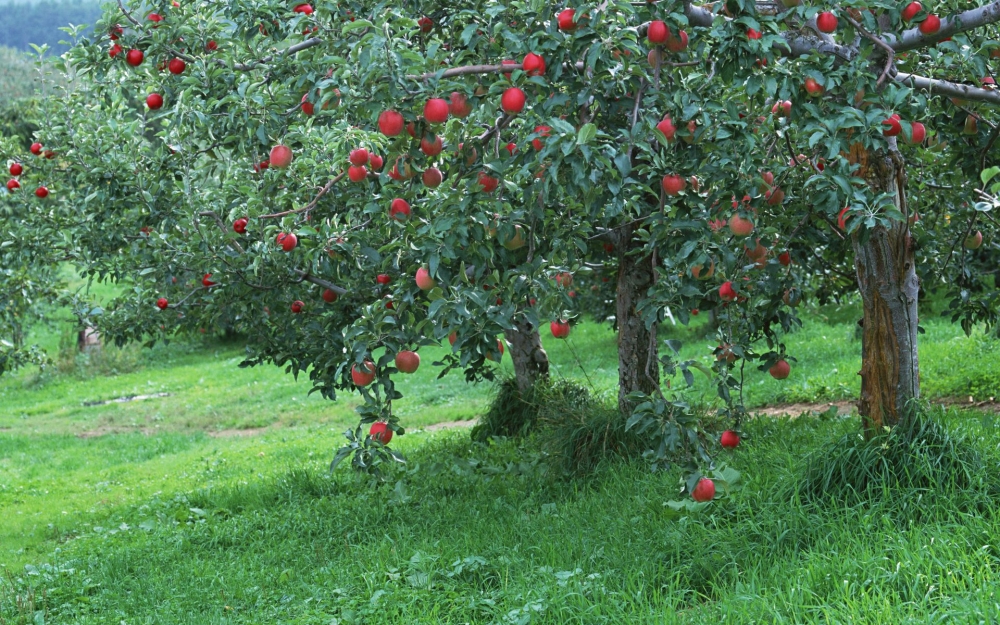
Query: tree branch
{"points": [[943, 87], [889, 52], [959, 23], [321, 282], [299, 47], [311, 205]]}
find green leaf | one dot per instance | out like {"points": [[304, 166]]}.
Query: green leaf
{"points": [[587, 133]]}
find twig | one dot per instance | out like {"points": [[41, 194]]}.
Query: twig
{"points": [[989, 144], [968, 231], [222, 227], [306, 276], [890, 53], [311, 205], [466, 69]]}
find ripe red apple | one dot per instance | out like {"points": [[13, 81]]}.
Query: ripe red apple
{"points": [[930, 25], [407, 361], [511, 148], [487, 182], [917, 133], [726, 292], [704, 491], [211, 46], [380, 431], [542, 131], [162, 303], [971, 125], [297, 306], [559, 329], [892, 125], [782, 108], [240, 225], [666, 126], [459, 106], [757, 253], [910, 11], [13, 185], [363, 374], [431, 147], [436, 111], [730, 439], [785, 258], [259, 167], [678, 43], [813, 88], [657, 32], [42, 192], [775, 196], [452, 338], [500, 349], [753, 34], [375, 161], [564, 279], [358, 157], [533, 64], [988, 82], [424, 280], [826, 22], [357, 173], [49, 154], [780, 370], [36, 148], [154, 101], [281, 156], [154, 17], [739, 226], [329, 296], [134, 57], [177, 66], [432, 177], [567, 20], [114, 50], [390, 123], [426, 24], [305, 9], [975, 241], [16, 169], [842, 218], [726, 353], [513, 100], [287, 241], [506, 74], [383, 279], [699, 272], [672, 184]]}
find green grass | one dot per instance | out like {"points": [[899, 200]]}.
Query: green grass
{"points": [[140, 512]]}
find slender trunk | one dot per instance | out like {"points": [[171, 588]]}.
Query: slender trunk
{"points": [[530, 360], [887, 279], [638, 366]]}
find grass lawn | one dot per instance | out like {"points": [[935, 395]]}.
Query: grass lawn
{"points": [[160, 511]]}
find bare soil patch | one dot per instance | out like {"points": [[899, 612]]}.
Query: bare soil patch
{"points": [[125, 399], [448, 425], [796, 410]]}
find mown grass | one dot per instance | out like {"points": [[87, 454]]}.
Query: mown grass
{"points": [[132, 511]]}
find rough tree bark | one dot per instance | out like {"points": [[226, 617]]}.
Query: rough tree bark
{"points": [[530, 360], [887, 280], [638, 365]]}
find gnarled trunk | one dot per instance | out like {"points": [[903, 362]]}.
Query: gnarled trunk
{"points": [[887, 280], [638, 366], [530, 360]]}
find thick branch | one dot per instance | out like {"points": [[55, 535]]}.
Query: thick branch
{"points": [[321, 282], [960, 23], [943, 87], [466, 69], [299, 47]]}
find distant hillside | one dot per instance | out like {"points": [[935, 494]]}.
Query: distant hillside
{"points": [[25, 22]]}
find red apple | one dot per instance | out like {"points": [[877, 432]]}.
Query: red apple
{"points": [[678, 43], [383, 279], [154, 101], [436, 111], [930, 25], [390, 123], [177, 66], [380, 431], [513, 100], [407, 361], [16, 169], [432, 177], [399, 210], [782, 108], [971, 125], [564, 279], [134, 57], [357, 173], [910, 11], [211, 46], [666, 126], [281, 156], [813, 88], [426, 24], [657, 32], [487, 182], [826, 22], [162, 303], [699, 272], [287, 241], [431, 147], [893, 127], [672, 184], [511, 148], [559, 329], [533, 64], [363, 374], [13, 185], [240, 225], [459, 106], [36, 148], [154, 17], [739, 226], [726, 292], [375, 161], [358, 157], [500, 349], [753, 34], [704, 491], [975, 241], [541, 131], [329, 296], [297, 306], [424, 279], [42, 192], [567, 20], [785, 258], [730, 439], [917, 133], [780, 370], [114, 51]]}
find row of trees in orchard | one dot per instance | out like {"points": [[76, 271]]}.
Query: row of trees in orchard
{"points": [[348, 182]]}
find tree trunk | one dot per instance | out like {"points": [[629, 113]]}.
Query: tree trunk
{"points": [[887, 279], [530, 360], [638, 366]]}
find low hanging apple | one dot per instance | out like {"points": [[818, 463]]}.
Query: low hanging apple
{"points": [[780, 370], [826, 22], [162, 303], [288, 241], [704, 491], [298, 306], [533, 64], [380, 432], [42, 192], [329, 296], [280, 156], [512, 101], [390, 123], [432, 177], [36, 148], [657, 32], [559, 329], [358, 157], [177, 66], [134, 57], [910, 11], [424, 280], [240, 225], [567, 20], [740, 226], [16, 169], [726, 292], [436, 111], [730, 439], [363, 374], [399, 209], [154, 101], [673, 184], [13, 185], [407, 361]]}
